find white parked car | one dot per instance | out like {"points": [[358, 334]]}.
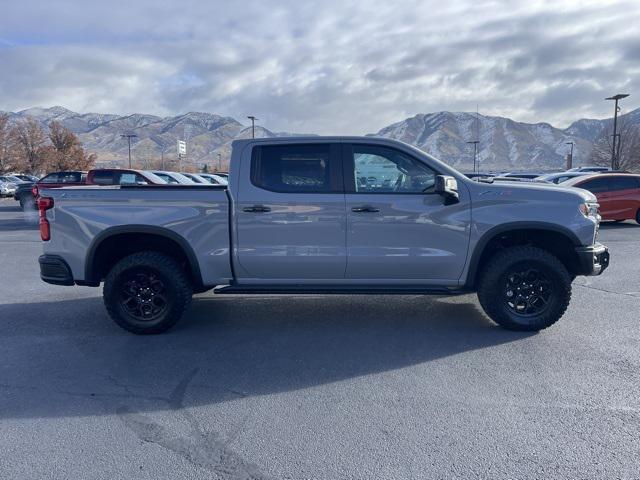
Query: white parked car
{"points": [[173, 177], [214, 179], [7, 189], [8, 185]]}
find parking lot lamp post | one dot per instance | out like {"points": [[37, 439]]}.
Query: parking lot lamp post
{"points": [[129, 136], [614, 159], [253, 125], [475, 152], [570, 156]]}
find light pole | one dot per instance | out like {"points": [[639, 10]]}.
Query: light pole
{"points": [[475, 152], [219, 162], [253, 125], [129, 136], [570, 157], [614, 158]]}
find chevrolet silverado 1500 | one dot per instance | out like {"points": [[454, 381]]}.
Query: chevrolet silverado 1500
{"points": [[324, 215]]}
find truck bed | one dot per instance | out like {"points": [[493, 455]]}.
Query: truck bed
{"points": [[196, 217]]}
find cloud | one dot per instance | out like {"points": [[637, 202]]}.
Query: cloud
{"points": [[343, 67]]}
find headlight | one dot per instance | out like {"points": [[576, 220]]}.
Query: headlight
{"points": [[589, 209]]}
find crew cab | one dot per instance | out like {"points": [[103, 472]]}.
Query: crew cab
{"points": [[324, 215]]}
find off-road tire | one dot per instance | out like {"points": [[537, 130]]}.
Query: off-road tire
{"points": [[176, 288], [494, 287]]}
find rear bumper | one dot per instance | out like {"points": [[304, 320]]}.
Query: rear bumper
{"points": [[593, 260], [54, 270]]}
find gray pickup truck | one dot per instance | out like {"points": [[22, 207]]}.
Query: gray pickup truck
{"points": [[324, 215]]}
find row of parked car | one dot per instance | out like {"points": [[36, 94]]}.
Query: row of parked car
{"points": [[618, 192], [25, 188]]}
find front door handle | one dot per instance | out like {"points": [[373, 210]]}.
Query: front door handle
{"points": [[257, 209], [365, 208]]}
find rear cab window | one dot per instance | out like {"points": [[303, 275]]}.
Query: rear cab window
{"points": [[304, 168]]}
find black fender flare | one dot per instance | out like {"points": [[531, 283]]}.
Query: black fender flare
{"points": [[512, 227], [107, 233]]}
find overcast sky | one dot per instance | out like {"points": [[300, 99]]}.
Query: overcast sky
{"points": [[329, 66]]}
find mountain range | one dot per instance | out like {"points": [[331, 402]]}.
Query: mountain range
{"points": [[503, 143]]}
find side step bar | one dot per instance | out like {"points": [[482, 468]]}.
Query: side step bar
{"points": [[334, 290]]}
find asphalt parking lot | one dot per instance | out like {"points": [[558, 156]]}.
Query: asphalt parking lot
{"points": [[321, 387]]}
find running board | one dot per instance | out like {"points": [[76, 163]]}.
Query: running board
{"points": [[334, 290]]}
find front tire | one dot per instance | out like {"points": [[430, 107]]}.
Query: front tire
{"points": [[638, 216], [147, 293], [525, 289]]}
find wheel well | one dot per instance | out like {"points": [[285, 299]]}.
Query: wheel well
{"points": [[115, 247], [556, 243]]}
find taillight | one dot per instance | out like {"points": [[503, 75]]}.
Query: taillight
{"points": [[44, 204]]}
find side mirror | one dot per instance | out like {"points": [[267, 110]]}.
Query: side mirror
{"points": [[447, 186]]}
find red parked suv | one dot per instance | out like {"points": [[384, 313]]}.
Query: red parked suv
{"points": [[618, 194]]}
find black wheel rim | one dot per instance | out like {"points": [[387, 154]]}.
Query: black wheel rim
{"points": [[527, 291], [143, 295]]}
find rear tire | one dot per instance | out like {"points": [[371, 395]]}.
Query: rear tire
{"points": [[147, 293], [525, 289], [638, 216]]}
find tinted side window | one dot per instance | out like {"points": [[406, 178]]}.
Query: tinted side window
{"points": [[623, 183], [69, 177], [103, 178], [596, 185], [294, 168], [385, 170], [51, 178], [128, 178]]}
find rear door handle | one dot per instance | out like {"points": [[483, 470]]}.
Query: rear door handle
{"points": [[257, 209], [365, 208]]}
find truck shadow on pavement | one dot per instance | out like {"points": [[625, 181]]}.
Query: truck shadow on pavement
{"points": [[18, 224], [619, 225], [66, 358], [6, 206]]}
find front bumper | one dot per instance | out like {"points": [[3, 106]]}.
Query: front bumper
{"points": [[54, 270], [592, 260]]}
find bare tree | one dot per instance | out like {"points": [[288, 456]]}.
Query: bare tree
{"points": [[30, 148], [65, 151], [627, 146], [6, 163]]}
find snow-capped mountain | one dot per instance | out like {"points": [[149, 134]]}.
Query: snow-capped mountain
{"points": [[206, 134], [504, 144]]}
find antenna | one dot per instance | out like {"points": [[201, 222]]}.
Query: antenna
{"points": [[478, 134]]}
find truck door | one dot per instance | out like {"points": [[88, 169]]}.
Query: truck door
{"points": [[397, 227], [290, 213]]}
